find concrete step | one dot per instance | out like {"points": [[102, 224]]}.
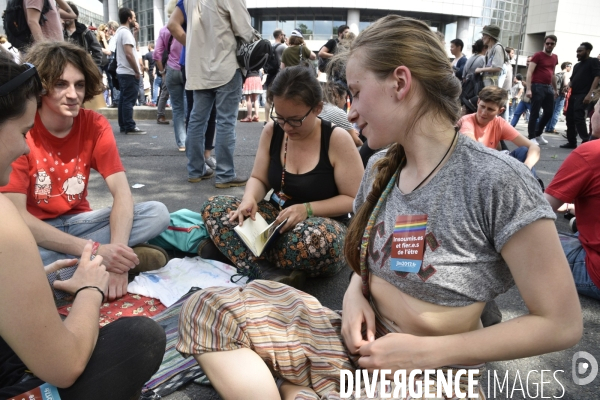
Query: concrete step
{"points": [[149, 113]]}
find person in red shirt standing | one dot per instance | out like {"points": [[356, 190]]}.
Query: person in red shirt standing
{"points": [[542, 89], [49, 185], [576, 188]]}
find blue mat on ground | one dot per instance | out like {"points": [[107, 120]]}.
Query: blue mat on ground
{"points": [[175, 371]]}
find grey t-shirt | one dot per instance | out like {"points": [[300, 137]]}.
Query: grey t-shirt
{"points": [[336, 116], [125, 37], [475, 203]]}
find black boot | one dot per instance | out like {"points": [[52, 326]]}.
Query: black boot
{"points": [[270, 272]]}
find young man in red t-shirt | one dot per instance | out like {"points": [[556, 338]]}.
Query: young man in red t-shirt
{"points": [[541, 88], [49, 185], [485, 127], [576, 188]]}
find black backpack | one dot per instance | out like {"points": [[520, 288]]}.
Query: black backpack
{"points": [[15, 23], [322, 65], [274, 63], [253, 56]]}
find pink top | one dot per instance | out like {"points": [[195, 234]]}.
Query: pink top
{"points": [[161, 44]]}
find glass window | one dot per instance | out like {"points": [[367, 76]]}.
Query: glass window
{"points": [[306, 28], [362, 25], [336, 25], [267, 29], [486, 12], [288, 25], [323, 30]]}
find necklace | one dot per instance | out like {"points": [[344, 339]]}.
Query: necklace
{"points": [[438, 165], [282, 196]]}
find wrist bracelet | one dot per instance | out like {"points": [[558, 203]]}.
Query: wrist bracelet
{"points": [[309, 211], [95, 248], [91, 287]]}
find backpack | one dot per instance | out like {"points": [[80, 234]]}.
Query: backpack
{"points": [[253, 56], [15, 23], [322, 65], [560, 77], [166, 52], [274, 63]]}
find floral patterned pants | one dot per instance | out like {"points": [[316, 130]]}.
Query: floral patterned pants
{"points": [[314, 245]]}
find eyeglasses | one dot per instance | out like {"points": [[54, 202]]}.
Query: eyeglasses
{"points": [[294, 123], [20, 79], [550, 43]]}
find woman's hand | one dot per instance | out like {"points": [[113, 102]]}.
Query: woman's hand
{"points": [[88, 273], [294, 214], [394, 351], [356, 312], [247, 208], [59, 264]]}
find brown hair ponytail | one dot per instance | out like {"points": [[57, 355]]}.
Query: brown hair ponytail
{"points": [[385, 169]]}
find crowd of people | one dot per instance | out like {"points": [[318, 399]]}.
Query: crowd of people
{"points": [[349, 185]]}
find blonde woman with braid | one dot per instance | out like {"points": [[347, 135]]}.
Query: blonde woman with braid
{"points": [[442, 226]]}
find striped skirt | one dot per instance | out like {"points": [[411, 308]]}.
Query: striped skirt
{"points": [[298, 339]]}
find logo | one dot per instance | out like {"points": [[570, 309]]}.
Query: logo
{"points": [[581, 368]]}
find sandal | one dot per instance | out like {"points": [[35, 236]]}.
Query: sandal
{"points": [[255, 118], [247, 119]]}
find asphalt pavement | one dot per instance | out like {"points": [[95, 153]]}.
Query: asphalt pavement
{"points": [[154, 161]]}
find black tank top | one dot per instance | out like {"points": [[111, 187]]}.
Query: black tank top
{"points": [[315, 185]]}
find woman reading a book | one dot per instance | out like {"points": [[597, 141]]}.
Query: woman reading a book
{"points": [[314, 170], [38, 351], [442, 226]]}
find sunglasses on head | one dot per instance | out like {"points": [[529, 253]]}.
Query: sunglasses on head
{"points": [[20, 79]]}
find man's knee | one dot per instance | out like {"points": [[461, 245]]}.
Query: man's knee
{"points": [[154, 211]]}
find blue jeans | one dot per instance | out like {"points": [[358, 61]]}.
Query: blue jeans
{"points": [[127, 97], [576, 258], [521, 108], [226, 98], [156, 88], [175, 85], [520, 153], [559, 103], [512, 108], [149, 220]]}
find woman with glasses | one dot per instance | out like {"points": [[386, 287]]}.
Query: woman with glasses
{"points": [[442, 226], [313, 169], [72, 358]]}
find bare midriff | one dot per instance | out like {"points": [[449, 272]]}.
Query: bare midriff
{"points": [[417, 317]]}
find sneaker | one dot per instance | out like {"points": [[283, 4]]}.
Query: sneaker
{"points": [[211, 162], [573, 225], [237, 181], [136, 131], [534, 141], [207, 175], [541, 140], [162, 120], [113, 105], [181, 148], [568, 146], [151, 257]]}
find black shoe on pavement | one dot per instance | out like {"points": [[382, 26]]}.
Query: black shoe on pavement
{"points": [[268, 271], [136, 131], [237, 181], [564, 135], [207, 175], [568, 146], [113, 105]]}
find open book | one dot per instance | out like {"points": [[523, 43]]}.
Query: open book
{"points": [[258, 235]]}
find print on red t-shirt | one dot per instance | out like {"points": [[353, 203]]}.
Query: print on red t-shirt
{"points": [[55, 173]]}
